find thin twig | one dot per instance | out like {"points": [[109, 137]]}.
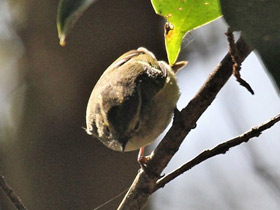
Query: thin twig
{"points": [[184, 121], [11, 194], [237, 63], [219, 149]]}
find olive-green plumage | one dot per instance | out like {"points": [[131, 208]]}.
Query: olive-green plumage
{"points": [[133, 101]]}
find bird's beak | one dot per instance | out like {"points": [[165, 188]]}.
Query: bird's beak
{"points": [[123, 144]]}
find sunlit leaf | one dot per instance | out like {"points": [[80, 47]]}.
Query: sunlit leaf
{"points": [[183, 16], [259, 22], [68, 13]]}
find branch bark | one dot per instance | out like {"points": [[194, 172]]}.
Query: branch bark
{"points": [[184, 121], [219, 149], [237, 64], [11, 194]]}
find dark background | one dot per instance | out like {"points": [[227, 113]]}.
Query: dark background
{"points": [[53, 163]]}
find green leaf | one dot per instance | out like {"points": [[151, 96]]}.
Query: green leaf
{"points": [[184, 16], [259, 22], [68, 13]]}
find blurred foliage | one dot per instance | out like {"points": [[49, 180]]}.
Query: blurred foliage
{"points": [[183, 16], [68, 13], [11, 86]]}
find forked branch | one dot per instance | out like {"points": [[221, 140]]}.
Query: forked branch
{"points": [[185, 120]]}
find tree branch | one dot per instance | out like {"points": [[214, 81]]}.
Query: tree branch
{"points": [[237, 64], [11, 194], [143, 185], [219, 149]]}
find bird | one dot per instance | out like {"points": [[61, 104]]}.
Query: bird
{"points": [[133, 101]]}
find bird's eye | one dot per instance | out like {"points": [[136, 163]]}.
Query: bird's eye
{"points": [[107, 131]]}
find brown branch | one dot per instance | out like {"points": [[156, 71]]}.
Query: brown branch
{"points": [[219, 149], [143, 186], [11, 194], [236, 60]]}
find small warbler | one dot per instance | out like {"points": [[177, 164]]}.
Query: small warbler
{"points": [[133, 101]]}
